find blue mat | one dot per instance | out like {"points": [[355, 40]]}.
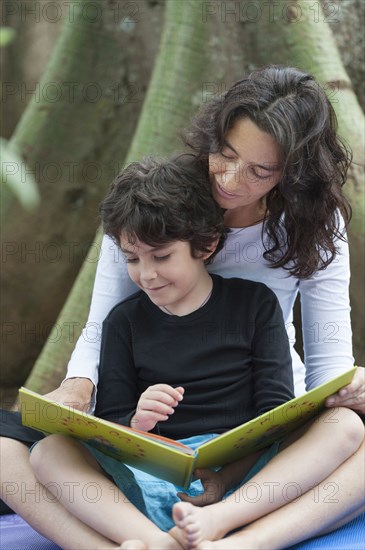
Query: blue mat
{"points": [[16, 534], [348, 537]]}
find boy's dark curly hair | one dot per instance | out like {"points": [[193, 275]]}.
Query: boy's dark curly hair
{"points": [[302, 211], [158, 201]]}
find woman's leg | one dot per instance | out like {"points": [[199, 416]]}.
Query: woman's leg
{"points": [[28, 498], [310, 458], [72, 474]]}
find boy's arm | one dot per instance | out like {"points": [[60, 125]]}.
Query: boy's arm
{"points": [[271, 359], [119, 397], [117, 390]]}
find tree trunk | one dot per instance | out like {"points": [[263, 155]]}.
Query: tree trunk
{"points": [[22, 62], [297, 33], [205, 47], [74, 134], [168, 104]]}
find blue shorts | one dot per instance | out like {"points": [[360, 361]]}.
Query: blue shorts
{"points": [[155, 497]]}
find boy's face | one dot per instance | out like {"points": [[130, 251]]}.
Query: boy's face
{"points": [[168, 274]]}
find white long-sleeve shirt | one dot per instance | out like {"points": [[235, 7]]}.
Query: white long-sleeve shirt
{"points": [[326, 327]]}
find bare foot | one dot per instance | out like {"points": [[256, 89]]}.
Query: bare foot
{"points": [[133, 545], [195, 525]]}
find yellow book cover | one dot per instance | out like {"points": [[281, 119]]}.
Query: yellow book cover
{"points": [[166, 458]]}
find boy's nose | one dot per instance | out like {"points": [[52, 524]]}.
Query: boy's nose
{"points": [[148, 273]]}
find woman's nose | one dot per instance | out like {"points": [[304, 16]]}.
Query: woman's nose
{"points": [[229, 177]]}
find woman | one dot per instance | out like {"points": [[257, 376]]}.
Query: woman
{"points": [[277, 166]]}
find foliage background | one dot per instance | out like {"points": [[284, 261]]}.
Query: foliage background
{"points": [[75, 106]]}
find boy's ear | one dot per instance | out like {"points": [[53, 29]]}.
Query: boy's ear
{"points": [[212, 248]]}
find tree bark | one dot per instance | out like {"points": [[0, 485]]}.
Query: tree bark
{"points": [[297, 33], [168, 105], [74, 134], [220, 41]]}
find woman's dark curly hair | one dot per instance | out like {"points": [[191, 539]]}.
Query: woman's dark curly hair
{"points": [[159, 201], [303, 210]]}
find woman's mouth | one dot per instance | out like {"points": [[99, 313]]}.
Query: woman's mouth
{"points": [[223, 193]]}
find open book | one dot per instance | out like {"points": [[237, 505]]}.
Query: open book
{"points": [[166, 458]]}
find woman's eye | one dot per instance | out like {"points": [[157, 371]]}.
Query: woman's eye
{"points": [[130, 260], [228, 156], [261, 174]]}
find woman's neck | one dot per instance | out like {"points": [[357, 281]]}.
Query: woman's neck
{"points": [[245, 216]]}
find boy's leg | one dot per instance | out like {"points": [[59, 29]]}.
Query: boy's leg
{"points": [[311, 458], [26, 496], [330, 505], [73, 475]]}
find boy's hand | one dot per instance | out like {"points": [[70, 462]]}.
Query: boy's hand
{"points": [[73, 392], [156, 404], [214, 488]]}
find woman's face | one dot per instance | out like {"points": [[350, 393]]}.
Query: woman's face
{"points": [[247, 168]]}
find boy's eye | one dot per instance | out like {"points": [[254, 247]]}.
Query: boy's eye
{"points": [[130, 260], [162, 258]]}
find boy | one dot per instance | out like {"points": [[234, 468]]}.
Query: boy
{"points": [[189, 356]]}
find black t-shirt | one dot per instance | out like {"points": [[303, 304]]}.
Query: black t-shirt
{"points": [[231, 356]]}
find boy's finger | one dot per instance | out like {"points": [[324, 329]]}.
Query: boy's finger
{"points": [[168, 396], [155, 405]]}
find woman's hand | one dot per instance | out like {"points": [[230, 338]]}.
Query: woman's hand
{"points": [[214, 488], [156, 404], [351, 396], [73, 392]]}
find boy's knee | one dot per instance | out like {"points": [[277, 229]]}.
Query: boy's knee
{"points": [[46, 450]]}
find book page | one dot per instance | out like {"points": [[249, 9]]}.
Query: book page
{"points": [[269, 427], [159, 456]]}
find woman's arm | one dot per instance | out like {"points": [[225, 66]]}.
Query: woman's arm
{"points": [[112, 285], [326, 323], [327, 336]]}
